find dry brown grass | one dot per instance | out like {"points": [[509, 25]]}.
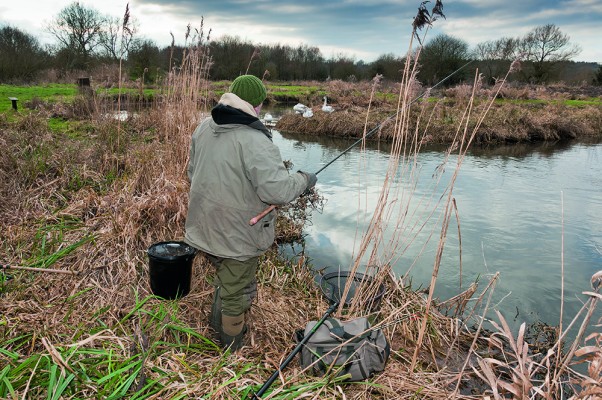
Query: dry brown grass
{"points": [[507, 367], [125, 186], [510, 121], [146, 203]]}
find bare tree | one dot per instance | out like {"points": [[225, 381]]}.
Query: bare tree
{"points": [[497, 55], [117, 36], [145, 55], [78, 31], [21, 55], [544, 46]]}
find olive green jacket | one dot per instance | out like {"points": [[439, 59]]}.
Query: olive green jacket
{"points": [[235, 172]]}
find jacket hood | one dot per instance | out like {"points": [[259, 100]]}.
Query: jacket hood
{"points": [[232, 100], [227, 112]]}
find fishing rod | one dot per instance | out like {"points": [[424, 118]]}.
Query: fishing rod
{"points": [[269, 209], [332, 286], [293, 353]]}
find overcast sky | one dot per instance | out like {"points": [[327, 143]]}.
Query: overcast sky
{"points": [[361, 29]]}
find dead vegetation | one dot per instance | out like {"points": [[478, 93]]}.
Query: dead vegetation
{"points": [[507, 122], [92, 204], [88, 206], [520, 115]]}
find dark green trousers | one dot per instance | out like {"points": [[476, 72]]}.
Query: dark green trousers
{"points": [[235, 284]]}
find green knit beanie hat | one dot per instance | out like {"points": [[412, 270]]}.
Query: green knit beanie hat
{"points": [[250, 89]]}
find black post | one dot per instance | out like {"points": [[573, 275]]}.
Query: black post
{"points": [[297, 349], [14, 102], [83, 85], [83, 82]]}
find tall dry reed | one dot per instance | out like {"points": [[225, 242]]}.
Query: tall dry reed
{"points": [[96, 332], [393, 225]]}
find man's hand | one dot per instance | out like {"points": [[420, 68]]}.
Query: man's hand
{"points": [[311, 180]]}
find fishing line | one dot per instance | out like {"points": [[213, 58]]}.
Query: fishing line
{"points": [[265, 212]]}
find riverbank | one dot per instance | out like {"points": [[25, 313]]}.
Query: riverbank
{"points": [[88, 196], [436, 120], [520, 114], [82, 208]]}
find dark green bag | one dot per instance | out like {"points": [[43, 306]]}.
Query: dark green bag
{"points": [[351, 347]]}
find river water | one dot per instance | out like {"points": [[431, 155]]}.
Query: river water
{"points": [[525, 211]]}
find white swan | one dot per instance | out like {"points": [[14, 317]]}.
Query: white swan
{"points": [[269, 120], [299, 108], [308, 113], [327, 108]]}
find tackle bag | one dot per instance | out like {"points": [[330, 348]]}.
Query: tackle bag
{"points": [[350, 347]]}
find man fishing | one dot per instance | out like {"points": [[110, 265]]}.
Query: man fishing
{"points": [[234, 171]]}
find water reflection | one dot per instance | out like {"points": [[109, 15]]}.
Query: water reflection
{"points": [[520, 150], [518, 206]]}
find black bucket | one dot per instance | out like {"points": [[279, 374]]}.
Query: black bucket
{"points": [[333, 286], [170, 269]]}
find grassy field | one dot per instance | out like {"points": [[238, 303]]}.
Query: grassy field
{"points": [[82, 197], [57, 93], [523, 114], [51, 93]]}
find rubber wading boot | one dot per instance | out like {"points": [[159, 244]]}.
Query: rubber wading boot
{"points": [[215, 317], [233, 331]]}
